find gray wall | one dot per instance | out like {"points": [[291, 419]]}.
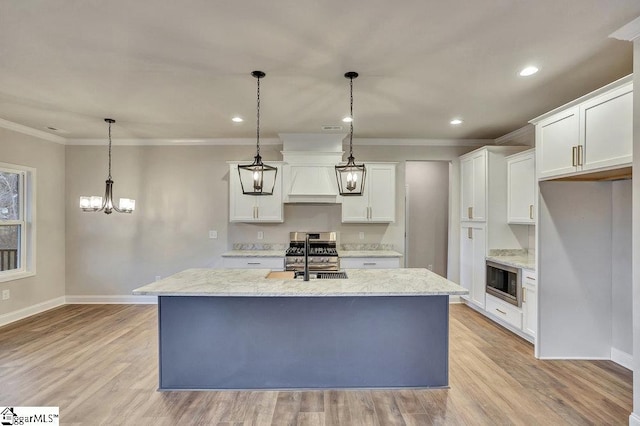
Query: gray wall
{"points": [[621, 283], [49, 161], [427, 214], [181, 193], [636, 232]]}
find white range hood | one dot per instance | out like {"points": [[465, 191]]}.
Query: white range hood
{"points": [[308, 174]]}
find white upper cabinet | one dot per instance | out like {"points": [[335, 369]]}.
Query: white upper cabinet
{"points": [[378, 203], [473, 169], [521, 188], [593, 133], [252, 208]]}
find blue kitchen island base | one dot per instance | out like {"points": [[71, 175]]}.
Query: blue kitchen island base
{"points": [[212, 343]]}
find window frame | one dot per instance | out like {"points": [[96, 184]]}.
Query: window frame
{"points": [[27, 221]]}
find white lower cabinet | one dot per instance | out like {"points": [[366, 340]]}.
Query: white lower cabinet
{"points": [[529, 302], [369, 262], [505, 311], [472, 262], [258, 262]]}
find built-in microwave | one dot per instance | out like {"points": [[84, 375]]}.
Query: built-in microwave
{"points": [[504, 283]]}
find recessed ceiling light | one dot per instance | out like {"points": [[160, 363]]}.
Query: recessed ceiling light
{"points": [[456, 121], [237, 119], [347, 119], [526, 72]]}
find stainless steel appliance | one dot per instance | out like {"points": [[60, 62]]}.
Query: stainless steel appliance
{"points": [[504, 282], [322, 256]]}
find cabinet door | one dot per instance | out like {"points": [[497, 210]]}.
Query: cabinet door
{"points": [[479, 211], [555, 139], [478, 290], [607, 129], [521, 183], [466, 188], [472, 263], [529, 302], [242, 208], [269, 207], [382, 192], [356, 208]]}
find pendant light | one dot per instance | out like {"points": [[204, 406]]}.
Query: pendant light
{"points": [[257, 178], [96, 204], [351, 175]]}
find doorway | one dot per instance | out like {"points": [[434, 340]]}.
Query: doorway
{"points": [[427, 215]]}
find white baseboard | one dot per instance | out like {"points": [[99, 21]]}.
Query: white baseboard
{"points": [[454, 299], [106, 300], [31, 310], [634, 419], [622, 358]]}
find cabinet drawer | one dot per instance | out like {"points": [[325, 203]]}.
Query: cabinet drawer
{"points": [[369, 262], [506, 312], [274, 263], [529, 277]]}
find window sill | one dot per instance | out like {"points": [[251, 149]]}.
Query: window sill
{"points": [[16, 276]]}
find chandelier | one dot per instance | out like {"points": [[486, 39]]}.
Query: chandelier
{"points": [[96, 203], [257, 178], [351, 175]]}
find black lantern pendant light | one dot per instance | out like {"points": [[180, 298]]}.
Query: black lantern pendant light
{"points": [[351, 175], [257, 178], [96, 203]]}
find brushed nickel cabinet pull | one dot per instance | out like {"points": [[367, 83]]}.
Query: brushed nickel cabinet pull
{"points": [[524, 295], [531, 278], [470, 233], [502, 312], [530, 211], [580, 155], [470, 212], [254, 263], [369, 263], [574, 154]]}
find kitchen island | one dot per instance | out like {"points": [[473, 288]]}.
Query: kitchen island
{"points": [[238, 329]]}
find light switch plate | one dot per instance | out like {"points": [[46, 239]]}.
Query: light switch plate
{"points": [[260, 235], [361, 235], [6, 294], [213, 234]]}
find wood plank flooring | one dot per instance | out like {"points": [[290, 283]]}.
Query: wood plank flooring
{"points": [[98, 363]]}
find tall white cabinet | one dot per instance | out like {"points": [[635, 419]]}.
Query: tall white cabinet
{"points": [[521, 188], [483, 216]]}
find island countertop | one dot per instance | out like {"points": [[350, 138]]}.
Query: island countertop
{"points": [[254, 283]]}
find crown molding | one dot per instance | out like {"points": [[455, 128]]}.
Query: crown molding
{"points": [[628, 32], [10, 125], [421, 142], [176, 142], [522, 136]]}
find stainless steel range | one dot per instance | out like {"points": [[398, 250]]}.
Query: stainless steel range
{"points": [[323, 253]]}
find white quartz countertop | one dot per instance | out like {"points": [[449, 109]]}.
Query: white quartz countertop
{"points": [[254, 253], [253, 283], [517, 261], [368, 253]]}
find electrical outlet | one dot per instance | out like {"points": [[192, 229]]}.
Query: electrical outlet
{"points": [[361, 235], [6, 294], [158, 277], [260, 235], [430, 267], [213, 234]]}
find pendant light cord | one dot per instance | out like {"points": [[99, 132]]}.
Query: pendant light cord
{"points": [[351, 115], [258, 121], [109, 151]]}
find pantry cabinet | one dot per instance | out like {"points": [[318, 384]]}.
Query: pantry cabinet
{"points": [[592, 133], [521, 188], [252, 208], [377, 204], [472, 262]]}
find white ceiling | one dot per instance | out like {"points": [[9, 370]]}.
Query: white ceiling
{"points": [[181, 69]]}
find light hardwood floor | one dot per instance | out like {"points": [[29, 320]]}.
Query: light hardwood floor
{"points": [[98, 363]]}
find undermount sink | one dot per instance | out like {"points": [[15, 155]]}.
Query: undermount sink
{"points": [[324, 275]]}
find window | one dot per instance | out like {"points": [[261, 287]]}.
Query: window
{"points": [[17, 225]]}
